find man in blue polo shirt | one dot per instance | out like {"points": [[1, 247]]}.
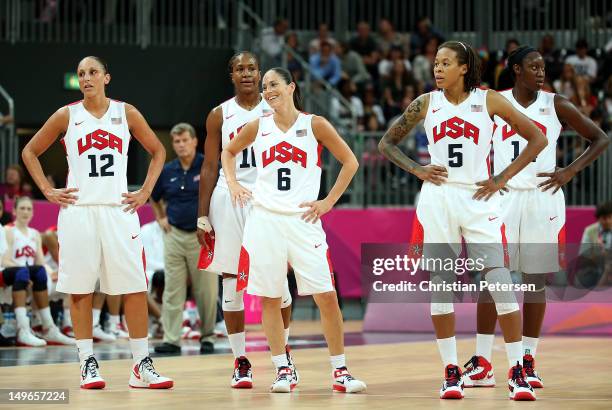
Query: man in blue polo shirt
{"points": [[178, 187]]}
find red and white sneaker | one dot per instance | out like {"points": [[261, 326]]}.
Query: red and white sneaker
{"points": [[452, 388], [90, 375], [345, 383], [531, 375], [144, 376], [243, 375], [53, 336], [68, 331], [518, 386], [478, 373], [296, 375], [284, 381]]}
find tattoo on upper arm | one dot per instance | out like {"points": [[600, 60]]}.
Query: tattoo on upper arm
{"points": [[406, 122]]}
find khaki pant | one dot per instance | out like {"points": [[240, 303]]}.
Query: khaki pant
{"points": [[181, 252]]}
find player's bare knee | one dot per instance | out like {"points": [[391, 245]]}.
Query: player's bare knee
{"points": [[326, 299]]}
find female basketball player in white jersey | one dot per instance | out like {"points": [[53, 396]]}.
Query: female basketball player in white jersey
{"points": [[98, 229], [23, 262], [534, 209], [459, 126], [217, 212], [283, 226]]}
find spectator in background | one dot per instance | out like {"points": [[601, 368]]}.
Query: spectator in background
{"points": [[323, 36], [566, 84], [386, 64], [388, 38], [394, 89], [325, 65], [423, 31], [584, 65], [14, 184], [503, 79], [293, 65], [365, 45], [5, 217], [552, 57], [272, 42], [178, 186], [371, 106], [422, 67], [608, 99], [341, 113], [352, 64], [584, 98], [596, 243]]}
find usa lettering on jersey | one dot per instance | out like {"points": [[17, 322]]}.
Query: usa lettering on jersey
{"points": [[455, 128], [284, 152], [99, 139], [25, 252]]}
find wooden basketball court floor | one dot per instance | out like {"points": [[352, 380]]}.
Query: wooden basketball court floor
{"points": [[576, 372]]}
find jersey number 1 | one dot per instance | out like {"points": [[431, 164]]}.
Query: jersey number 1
{"points": [[104, 172], [245, 158], [515, 145]]}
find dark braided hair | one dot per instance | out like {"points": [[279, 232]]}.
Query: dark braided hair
{"points": [[288, 78], [232, 60], [466, 55]]}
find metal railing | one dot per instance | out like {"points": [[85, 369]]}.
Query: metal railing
{"points": [[9, 143], [380, 183], [214, 23]]}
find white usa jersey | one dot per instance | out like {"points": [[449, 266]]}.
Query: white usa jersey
{"points": [[288, 165], [24, 247], [97, 152], [507, 144], [459, 136], [234, 118]]}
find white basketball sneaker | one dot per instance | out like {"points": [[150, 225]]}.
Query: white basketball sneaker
{"points": [[90, 375], [478, 373], [518, 386], [284, 381], [452, 388], [54, 336], [345, 383], [26, 338], [296, 375], [243, 375], [144, 376], [99, 335], [117, 331]]}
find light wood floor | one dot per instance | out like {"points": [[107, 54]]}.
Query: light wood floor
{"points": [[407, 375]]}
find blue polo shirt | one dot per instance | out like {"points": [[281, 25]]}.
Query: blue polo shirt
{"points": [[179, 189]]}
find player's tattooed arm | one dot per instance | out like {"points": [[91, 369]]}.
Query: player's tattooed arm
{"points": [[388, 145]]}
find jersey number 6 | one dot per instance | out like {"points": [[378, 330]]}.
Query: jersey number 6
{"points": [[284, 180]]}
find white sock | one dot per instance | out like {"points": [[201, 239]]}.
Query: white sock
{"points": [[530, 345], [23, 321], [286, 336], [95, 314], [85, 349], [337, 361], [67, 318], [113, 321], [238, 344], [140, 349], [448, 350], [280, 361], [514, 351], [484, 345], [46, 318]]}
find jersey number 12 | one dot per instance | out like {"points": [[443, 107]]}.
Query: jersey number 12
{"points": [[106, 161]]}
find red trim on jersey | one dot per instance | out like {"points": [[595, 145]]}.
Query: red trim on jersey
{"points": [[319, 152], [74, 103], [267, 114], [505, 246], [207, 256], [64, 145], [244, 265], [144, 267], [112, 99], [505, 89], [561, 247], [417, 238], [1, 280], [331, 268], [488, 159]]}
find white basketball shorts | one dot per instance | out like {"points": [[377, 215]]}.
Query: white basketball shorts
{"points": [[271, 240], [100, 242], [535, 229]]}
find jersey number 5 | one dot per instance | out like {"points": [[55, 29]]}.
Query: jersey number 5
{"points": [[104, 172], [455, 157]]}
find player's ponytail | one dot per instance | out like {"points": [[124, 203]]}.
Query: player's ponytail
{"points": [[288, 78], [466, 55]]}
